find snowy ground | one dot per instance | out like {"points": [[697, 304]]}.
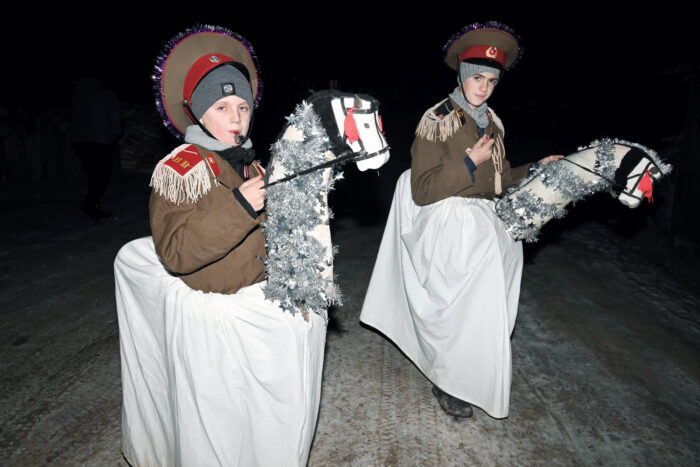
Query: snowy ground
{"points": [[605, 350]]}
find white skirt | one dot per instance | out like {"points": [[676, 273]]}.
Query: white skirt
{"points": [[445, 289], [212, 379]]}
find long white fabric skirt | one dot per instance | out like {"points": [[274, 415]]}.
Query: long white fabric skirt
{"points": [[445, 289], [211, 379]]}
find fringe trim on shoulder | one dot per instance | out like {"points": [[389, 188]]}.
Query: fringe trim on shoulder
{"points": [[178, 188], [433, 128], [497, 121]]}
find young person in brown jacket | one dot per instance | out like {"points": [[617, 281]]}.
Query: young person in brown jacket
{"points": [[446, 284], [207, 198], [459, 149], [225, 378]]}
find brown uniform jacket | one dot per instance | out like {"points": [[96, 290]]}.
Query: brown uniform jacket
{"points": [[438, 170], [209, 240]]}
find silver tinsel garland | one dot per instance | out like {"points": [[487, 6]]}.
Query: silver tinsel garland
{"points": [[295, 259], [517, 206], [573, 187]]}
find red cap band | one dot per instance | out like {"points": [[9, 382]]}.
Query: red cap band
{"points": [[201, 67], [484, 51]]}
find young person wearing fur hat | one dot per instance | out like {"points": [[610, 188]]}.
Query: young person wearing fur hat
{"points": [[458, 149], [205, 208], [221, 378], [459, 269]]}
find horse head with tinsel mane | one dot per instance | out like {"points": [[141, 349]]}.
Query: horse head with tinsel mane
{"points": [[327, 129], [627, 170]]}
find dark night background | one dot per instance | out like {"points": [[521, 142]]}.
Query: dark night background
{"points": [[588, 71], [608, 334]]}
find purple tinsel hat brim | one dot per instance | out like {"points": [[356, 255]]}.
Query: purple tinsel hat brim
{"points": [[170, 47], [495, 25]]}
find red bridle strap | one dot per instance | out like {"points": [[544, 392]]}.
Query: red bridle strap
{"points": [[350, 127], [646, 186]]}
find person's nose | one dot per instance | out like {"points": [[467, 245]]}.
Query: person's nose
{"points": [[235, 116]]}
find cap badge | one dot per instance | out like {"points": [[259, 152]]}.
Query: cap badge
{"points": [[214, 59], [492, 52], [227, 89]]}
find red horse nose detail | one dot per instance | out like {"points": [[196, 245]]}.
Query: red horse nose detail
{"points": [[646, 186], [350, 127]]}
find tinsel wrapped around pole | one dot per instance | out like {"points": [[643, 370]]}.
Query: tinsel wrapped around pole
{"points": [[299, 252], [544, 195]]}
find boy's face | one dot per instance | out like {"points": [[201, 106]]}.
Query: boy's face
{"points": [[479, 87], [227, 119]]}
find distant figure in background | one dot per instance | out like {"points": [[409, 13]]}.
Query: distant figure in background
{"points": [[95, 127]]}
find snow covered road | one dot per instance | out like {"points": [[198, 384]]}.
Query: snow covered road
{"points": [[605, 354]]}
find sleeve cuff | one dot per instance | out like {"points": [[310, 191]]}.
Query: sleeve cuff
{"points": [[471, 167], [244, 202]]}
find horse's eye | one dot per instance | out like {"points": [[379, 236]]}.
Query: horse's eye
{"points": [[654, 170], [366, 125]]}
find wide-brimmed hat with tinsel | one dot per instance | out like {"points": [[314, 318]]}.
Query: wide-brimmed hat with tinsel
{"points": [[490, 41], [187, 58]]}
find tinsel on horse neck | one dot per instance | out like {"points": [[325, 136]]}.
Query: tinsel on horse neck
{"points": [[299, 264], [626, 170]]}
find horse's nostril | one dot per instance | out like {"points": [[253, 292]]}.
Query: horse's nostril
{"points": [[366, 125]]}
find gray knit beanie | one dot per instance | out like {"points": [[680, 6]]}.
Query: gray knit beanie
{"points": [[223, 81], [467, 69]]}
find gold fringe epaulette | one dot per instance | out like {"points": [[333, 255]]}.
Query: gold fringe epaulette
{"points": [[436, 125], [498, 153], [441, 121], [497, 121], [182, 176]]}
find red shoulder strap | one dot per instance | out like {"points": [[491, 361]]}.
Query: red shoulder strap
{"points": [[185, 160]]}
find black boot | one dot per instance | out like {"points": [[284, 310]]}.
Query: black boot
{"points": [[451, 405]]}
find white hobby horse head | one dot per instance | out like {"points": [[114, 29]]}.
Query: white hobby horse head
{"points": [[358, 125], [638, 170], [627, 170], [326, 129]]}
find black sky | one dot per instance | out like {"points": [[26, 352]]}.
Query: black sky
{"points": [[600, 63]]}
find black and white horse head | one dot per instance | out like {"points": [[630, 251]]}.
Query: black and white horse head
{"points": [[627, 170], [327, 128], [636, 174], [358, 126]]}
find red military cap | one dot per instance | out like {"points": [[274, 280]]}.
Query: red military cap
{"points": [[187, 58], [493, 41]]}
